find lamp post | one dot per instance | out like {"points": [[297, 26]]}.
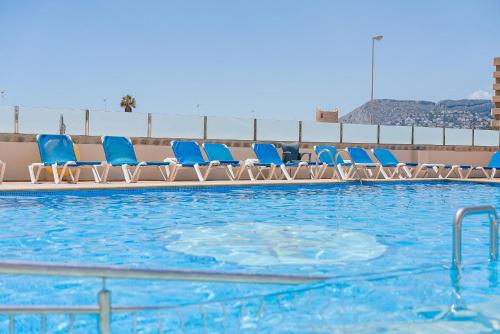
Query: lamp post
{"points": [[374, 38]]}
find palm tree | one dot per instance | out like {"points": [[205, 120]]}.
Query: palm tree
{"points": [[127, 102]]}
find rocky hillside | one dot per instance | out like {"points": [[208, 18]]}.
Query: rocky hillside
{"points": [[448, 113]]}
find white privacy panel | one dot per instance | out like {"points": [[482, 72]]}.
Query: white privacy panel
{"points": [[177, 126], [428, 136], [458, 136], [39, 120], [74, 121], [6, 119], [229, 128], [391, 134], [320, 132], [113, 123], [268, 129], [486, 138], [359, 133]]}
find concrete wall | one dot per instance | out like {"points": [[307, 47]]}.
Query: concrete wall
{"points": [[18, 151]]}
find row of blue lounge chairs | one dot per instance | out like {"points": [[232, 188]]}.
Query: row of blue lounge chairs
{"points": [[57, 153]]}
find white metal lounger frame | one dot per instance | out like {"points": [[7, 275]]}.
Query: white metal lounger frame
{"points": [[36, 168], [368, 169], [438, 170], [273, 170], [392, 172], [133, 176], [132, 173], [482, 169], [230, 170], [272, 174], [459, 171], [198, 170]]}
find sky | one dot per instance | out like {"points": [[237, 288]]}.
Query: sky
{"points": [[278, 59]]}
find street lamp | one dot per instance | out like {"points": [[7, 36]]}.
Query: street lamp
{"points": [[374, 38]]}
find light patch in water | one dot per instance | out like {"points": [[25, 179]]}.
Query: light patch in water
{"points": [[265, 244]]}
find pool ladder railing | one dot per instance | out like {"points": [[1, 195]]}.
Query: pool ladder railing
{"points": [[336, 166], [457, 232]]}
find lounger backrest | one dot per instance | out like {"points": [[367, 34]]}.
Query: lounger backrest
{"points": [[218, 152], [267, 154], [385, 157], [187, 152], [359, 155], [119, 150], [325, 157], [495, 160], [55, 148]]}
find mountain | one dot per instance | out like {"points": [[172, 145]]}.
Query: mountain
{"points": [[447, 113]]}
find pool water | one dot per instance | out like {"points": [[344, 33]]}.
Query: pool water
{"points": [[386, 245]]}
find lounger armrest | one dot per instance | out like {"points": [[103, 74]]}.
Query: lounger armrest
{"points": [[251, 162], [171, 160]]}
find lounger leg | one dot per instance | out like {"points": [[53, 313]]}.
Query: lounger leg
{"points": [[384, 174], [241, 169], [136, 174], [77, 174], [250, 173], [55, 174], [174, 173], [198, 172], [126, 173], [105, 173], [230, 172], [95, 173], [31, 170], [163, 175], [287, 175], [493, 173], [2, 171]]}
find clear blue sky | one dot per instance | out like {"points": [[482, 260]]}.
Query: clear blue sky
{"points": [[281, 58]]}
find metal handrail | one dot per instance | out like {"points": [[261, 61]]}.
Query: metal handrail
{"points": [[104, 307], [334, 160], [55, 269], [457, 231], [354, 166]]}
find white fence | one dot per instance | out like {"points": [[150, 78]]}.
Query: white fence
{"points": [[96, 123]]}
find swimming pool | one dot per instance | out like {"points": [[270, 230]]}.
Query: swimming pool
{"points": [[387, 245]]}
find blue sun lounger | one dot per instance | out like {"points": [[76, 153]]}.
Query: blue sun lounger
{"points": [[58, 153], [326, 155], [120, 152], [188, 155], [269, 159], [221, 153], [362, 160], [411, 169], [492, 167]]}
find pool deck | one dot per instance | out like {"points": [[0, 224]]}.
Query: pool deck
{"points": [[88, 185]]}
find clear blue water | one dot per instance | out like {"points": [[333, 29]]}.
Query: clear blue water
{"points": [[387, 247]]}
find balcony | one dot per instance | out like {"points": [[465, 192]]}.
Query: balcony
{"points": [[496, 99], [497, 88], [496, 61], [495, 111], [495, 123], [496, 74]]}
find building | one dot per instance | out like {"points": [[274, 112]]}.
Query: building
{"points": [[327, 116], [495, 112]]}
